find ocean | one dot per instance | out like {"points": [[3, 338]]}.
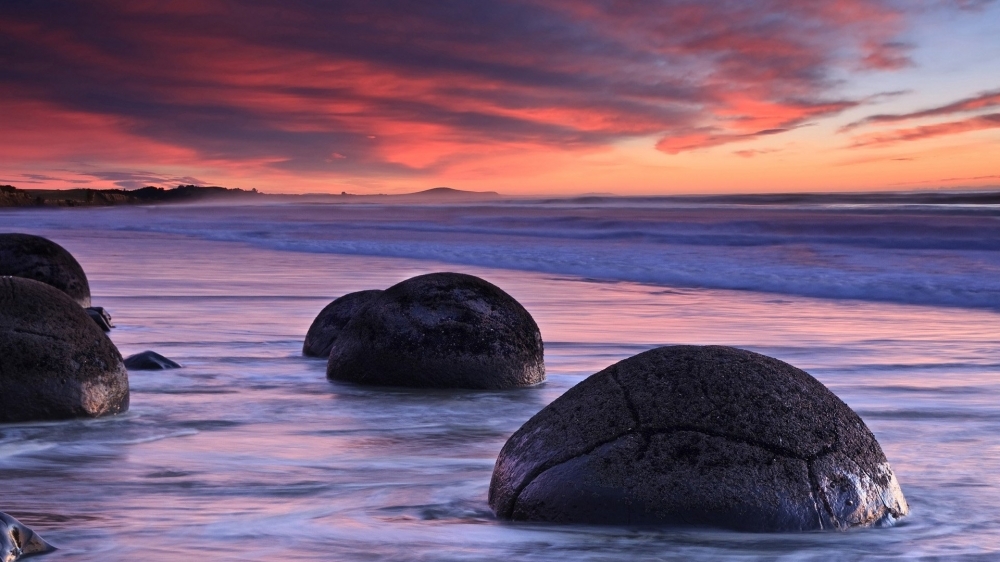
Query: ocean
{"points": [[249, 453]]}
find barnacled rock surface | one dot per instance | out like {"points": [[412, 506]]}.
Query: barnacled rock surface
{"points": [[695, 435], [34, 257], [332, 319], [55, 362], [17, 541], [442, 330]]}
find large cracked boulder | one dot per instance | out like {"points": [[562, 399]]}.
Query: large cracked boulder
{"points": [[34, 257], [705, 436], [18, 541], [442, 330], [332, 319], [55, 362]]}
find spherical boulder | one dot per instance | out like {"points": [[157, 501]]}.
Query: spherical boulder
{"points": [[17, 541], [55, 362], [704, 436], [442, 330], [34, 257], [332, 319]]}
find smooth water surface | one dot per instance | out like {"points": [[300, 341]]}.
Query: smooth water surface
{"points": [[249, 453]]}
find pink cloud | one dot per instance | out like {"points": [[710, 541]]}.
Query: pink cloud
{"points": [[753, 153], [360, 89], [887, 56]]}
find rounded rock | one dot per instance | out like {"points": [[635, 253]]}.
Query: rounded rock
{"points": [[332, 319], [55, 362], [441, 330], [703, 436], [150, 360], [17, 540], [34, 257]]}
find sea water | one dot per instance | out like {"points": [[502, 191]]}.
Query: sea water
{"points": [[249, 453]]}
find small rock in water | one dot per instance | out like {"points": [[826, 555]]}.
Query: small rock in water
{"points": [[150, 361], [18, 541], [332, 319], [690, 435], [442, 330], [55, 362], [34, 257], [101, 316]]}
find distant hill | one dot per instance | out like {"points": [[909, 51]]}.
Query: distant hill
{"points": [[449, 194], [452, 192], [433, 195], [11, 196]]}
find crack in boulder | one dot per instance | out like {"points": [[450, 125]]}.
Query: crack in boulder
{"points": [[534, 474], [717, 430], [818, 496], [648, 433]]}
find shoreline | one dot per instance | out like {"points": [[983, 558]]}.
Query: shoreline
{"points": [[13, 197], [884, 253]]}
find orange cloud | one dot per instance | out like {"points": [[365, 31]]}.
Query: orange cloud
{"points": [[371, 94]]}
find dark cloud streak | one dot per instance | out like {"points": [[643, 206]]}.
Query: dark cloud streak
{"points": [[977, 123], [294, 83], [985, 100]]}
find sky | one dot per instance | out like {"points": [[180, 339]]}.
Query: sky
{"points": [[515, 96]]}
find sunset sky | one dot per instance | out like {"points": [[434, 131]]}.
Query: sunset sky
{"points": [[521, 97]]}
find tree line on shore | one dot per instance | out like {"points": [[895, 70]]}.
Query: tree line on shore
{"points": [[11, 196]]}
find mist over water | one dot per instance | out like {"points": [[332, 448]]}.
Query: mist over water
{"points": [[249, 453]]}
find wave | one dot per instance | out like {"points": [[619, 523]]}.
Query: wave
{"points": [[936, 254]]}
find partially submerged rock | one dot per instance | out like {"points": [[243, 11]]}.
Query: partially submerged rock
{"points": [[17, 541], [55, 362], [150, 361], [332, 319], [34, 257], [101, 317], [694, 435], [442, 330]]}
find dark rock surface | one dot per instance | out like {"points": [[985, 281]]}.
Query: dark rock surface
{"points": [[693, 435], [11, 196], [34, 257], [18, 541], [150, 361], [101, 317], [442, 330], [55, 362], [332, 319]]}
